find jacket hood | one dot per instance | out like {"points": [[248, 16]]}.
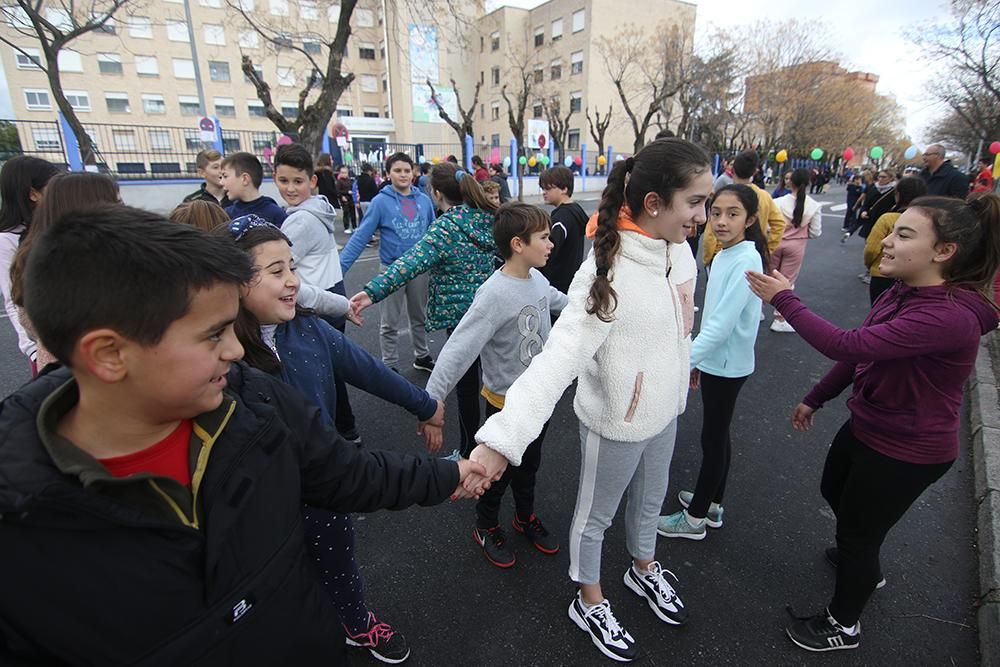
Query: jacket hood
{"points": [[985, 312], [946, 295], [476, 224], [318, 206]]}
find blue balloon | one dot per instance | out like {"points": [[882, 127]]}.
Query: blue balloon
{"points": [[506, 162], [911, 153], [568, 160]]}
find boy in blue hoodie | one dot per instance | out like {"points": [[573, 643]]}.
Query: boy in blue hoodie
{"points": [[401, 214], [242, 175]]}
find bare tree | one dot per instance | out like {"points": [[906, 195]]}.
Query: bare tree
{"points": [[35, 19], [599, 127], [466, 126], [517, 101], [558, 124], [326, 80]]}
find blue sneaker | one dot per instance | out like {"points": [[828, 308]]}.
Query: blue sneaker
{"points": [[714, 518], [677, 525]]}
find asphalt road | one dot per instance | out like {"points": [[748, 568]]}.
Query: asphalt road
{"points": [[426, 576]]}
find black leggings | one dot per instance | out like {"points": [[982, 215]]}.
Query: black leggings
{"points": [[521, 480], [718, 396], [869, 492], [467, 395]]}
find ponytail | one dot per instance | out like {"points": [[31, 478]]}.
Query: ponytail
{"points": [[607, 242], [800, 179], [459, 187]]}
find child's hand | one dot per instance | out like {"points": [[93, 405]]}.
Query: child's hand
{"points": [[766, 287], [354, 314], [360, 301], [433, 436], [802, 417], [493, 461], [695, 382], [472, 480], [437, 419]]}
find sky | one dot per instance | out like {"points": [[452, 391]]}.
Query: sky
{"points": [[869, 35]]}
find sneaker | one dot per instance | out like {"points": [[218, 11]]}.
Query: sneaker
{"points": [[696, 309], [862, 276], [833, 558], [348, 231], [381, 640], [424, 364], [608, 635], [677, 525], [351, 435], [867, 280], [660, 595], [537, 533], [843, 239], [714, 518], [822, 633], [782, 326], [495, 547]]}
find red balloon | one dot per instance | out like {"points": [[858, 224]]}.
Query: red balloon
{"points": [[995, 147], [848, 154], [578, 160]]}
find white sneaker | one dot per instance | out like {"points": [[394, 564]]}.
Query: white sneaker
{"points": [[782, 326], [658, 593], [608, 635], [349, 232]]}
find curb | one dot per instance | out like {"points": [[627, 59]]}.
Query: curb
{"points": [[985, 430]]}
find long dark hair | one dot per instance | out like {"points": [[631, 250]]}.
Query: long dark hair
{"points": [[19, 176], [907, 189], [751, 204], [664, 167], [800, 179], [459, 187]]}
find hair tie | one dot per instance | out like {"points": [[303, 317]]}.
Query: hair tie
{"points": [[602, 271], [459, 175], [239, 227]]}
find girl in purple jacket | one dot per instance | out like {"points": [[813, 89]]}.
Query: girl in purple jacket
{"points": [[908, 364]]}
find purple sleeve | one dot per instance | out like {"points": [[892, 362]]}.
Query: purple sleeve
{"points": [[833, 383]]}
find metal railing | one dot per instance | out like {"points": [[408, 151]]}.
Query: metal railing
{"points": [[39, 138]]}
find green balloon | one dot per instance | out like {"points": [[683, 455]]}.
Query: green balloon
{"points": [[545, 160], [877, 152], [522, 160], [816, 154], [348, 157]]}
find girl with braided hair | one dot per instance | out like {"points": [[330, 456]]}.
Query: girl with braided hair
{"points": [[623, 336]]}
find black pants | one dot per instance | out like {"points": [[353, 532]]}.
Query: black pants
{"points": [[350, 213], [878, 285], [869, 492], [344, 418], [520, 479], [467, 395], [718, 396]]}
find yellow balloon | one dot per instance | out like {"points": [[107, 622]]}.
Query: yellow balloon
{"points": [[782, 155], [602, 160], [996, 166], [436, 160], [532, 161]]}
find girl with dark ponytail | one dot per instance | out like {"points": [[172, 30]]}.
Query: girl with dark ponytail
{"points": [[908, 364], [803, 221], [623, 336]]}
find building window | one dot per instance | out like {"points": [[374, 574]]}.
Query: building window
{"points": [[333, 14], [308, 10], [109, 27], [154, 104], [30, 61], [369, 84], [539, 74], [385, 83], [218, 70], [177, 31], [283, 40], [183, 68], [495, 111], [37, 99], [230, 141], [78, 99], [482, 43], [495, 41], [255, 109], [557, 29], [313, 48], [140, 27], [279, 7], [365, 18], [109, 63], [69, 61], [576, 101], [210, 3], [539, 36], [579, 20], [192, 140], [147, 66], [124, 139], [370, 112], [214, 34], [46, 139], [494, 141], [573, 140], [366, 51], [344, 113], [261, 140], [290, 110], [286, 76], [256, 68], [60, 18], [190, 106], [495, 76], [482, 112], [224, 106], [159, 140], [249, 39], [117, 102], [536, 110], [556, 70], [576, 63]]}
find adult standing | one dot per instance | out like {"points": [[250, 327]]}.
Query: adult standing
{"points": [[941, 176]]}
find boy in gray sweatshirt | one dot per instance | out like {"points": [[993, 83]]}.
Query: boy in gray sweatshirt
{"points": [[507, 325]]}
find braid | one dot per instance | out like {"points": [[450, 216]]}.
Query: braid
{"points": [[607, 243]]}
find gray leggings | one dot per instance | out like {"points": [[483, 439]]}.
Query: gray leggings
{"points": [[607, 469]]}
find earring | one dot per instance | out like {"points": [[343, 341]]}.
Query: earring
{"points": [[655, 213]]}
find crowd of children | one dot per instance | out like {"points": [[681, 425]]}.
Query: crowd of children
{"points": [[208, 396]]}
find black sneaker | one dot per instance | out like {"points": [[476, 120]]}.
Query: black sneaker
{"points": [[381, 640], [833, 557], [495, 547], [424, 364], [537, 533], [822, 633], [659, 595], [351, 435], [608, 635]]}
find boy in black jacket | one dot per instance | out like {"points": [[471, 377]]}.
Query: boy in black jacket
{"points": [[569, 223], [152, 492]]}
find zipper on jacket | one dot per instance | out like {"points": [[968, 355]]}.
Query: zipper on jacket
{"points": [[636, 392]]}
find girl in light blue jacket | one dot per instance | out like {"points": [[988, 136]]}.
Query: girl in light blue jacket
{"points": [[722, 354]]}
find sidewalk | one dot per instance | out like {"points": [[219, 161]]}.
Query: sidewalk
{"points": [[985, 430]]}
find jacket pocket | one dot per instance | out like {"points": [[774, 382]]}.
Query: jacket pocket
{"points": [[636, 393]]}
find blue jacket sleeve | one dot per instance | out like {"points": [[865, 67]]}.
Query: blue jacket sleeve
{"points": [[277, 214], [355, 366], [361, 236]]}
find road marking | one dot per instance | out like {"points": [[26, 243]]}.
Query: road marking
{"points": [[839, 207]]}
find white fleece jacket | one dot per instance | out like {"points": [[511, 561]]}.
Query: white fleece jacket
{"points": [[633, 371], [8, 248]]}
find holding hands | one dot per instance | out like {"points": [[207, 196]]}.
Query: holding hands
{"points": [[766, 287], [695, 381], [494, 465], [359, 302], [433, 429], [468, 472]]}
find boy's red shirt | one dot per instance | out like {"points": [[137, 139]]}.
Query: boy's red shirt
{"points": [[167, 458]]}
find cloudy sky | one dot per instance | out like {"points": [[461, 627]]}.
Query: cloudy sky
{"points": [[870, 35]]}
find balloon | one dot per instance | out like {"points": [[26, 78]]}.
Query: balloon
{"points": [[435, 160], [578, 160], [284, 140], [532, 161], [602, 160], [995, 148], [996, 166], [877, 152], [911, 152], [506, 162], [781, 156], [619, 158], [544, 160], [522, 160], [348, 157], [816, 154], [568, 160], [848, 153], [421, 160]]}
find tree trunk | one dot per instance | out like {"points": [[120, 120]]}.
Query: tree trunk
{"points": [[87, 153]]}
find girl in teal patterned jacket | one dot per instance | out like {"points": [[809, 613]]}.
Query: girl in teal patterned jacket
{"points": [[458, 250]]}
